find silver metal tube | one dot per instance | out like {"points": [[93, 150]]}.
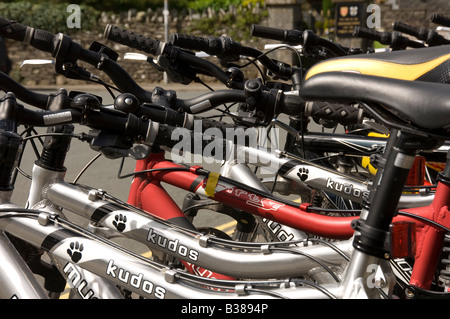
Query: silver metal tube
{"points": [[93, 285], [143, 277], [193, 247], [16, 279], [319, 177]]}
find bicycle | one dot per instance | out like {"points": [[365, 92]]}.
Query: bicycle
{"points": [[71, 200], [91, 195], [227, 50]]}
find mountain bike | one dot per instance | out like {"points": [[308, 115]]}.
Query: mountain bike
{"points": [[69, 197], [115, 121], [388, 63]]}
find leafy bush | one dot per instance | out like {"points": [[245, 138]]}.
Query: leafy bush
{"points": [[117, 5], [237, 26], [201, 5], [48, 16]]}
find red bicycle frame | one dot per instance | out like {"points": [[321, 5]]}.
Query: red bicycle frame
{"points": [[147, 193]]}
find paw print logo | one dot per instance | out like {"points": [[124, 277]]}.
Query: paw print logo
{"points": [[75, 251], [303, 173], [119, 222]]}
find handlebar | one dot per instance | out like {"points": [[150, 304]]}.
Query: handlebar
{"points": [[265, 103], [42, 101], [441, 20], [95, 118], [293, 37], [329, 114], [67, 52], [156, 47], [132, 128], [223, 47], [306, 38], [226, 49], [129, 126], [157, 127], [394, 39], [431, 37], [270, 102]]}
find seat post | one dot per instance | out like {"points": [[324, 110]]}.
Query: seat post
{"points": [[372, 229]]}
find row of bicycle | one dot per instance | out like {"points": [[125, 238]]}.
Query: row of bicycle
{"points": [[346, 215]]}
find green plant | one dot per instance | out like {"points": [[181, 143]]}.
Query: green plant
{"points": [[48, 16], [200, 5], [236, 25]]}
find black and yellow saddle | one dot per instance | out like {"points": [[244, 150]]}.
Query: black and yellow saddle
{"points": [[430, 64]]}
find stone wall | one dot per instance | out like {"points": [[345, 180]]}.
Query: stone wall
{"points": [[413, 12], [149, 23]]}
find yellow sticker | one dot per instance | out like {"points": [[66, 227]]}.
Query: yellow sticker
{"points": [[211, 183]]}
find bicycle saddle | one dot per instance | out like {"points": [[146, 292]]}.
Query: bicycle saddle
{"points": [[423, 104], [425, 64]]}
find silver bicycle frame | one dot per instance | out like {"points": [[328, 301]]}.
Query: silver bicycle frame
{"points": [[18, 282], [78, 249], [136, 274], [49, 192]]}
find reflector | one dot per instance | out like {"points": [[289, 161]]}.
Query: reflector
{"points": [[403, 239]]}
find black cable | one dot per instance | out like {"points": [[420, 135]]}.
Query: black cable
{"points": [[50, 134], [33, 145], [86, 167], [257, 67], [97, 80], [317, 260], [23, 173], [424, 219], [230, 284], [148, 170], [330, 245], [314, 209], [265, 292], [198, 80], [272, 50]]}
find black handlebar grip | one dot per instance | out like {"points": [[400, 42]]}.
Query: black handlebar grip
{"points": [[408, 29], [441, 20], [431, 37], [367, 33], [39, 39], [395, 40], [344, 114], [15, 31], [267, 32], [223, 47], [288, 36], [164, 136], [44, 40], [189, 42], [131, 39], [291, 104]]}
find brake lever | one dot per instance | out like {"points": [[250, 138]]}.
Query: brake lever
{"points": [[289, 129]]}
